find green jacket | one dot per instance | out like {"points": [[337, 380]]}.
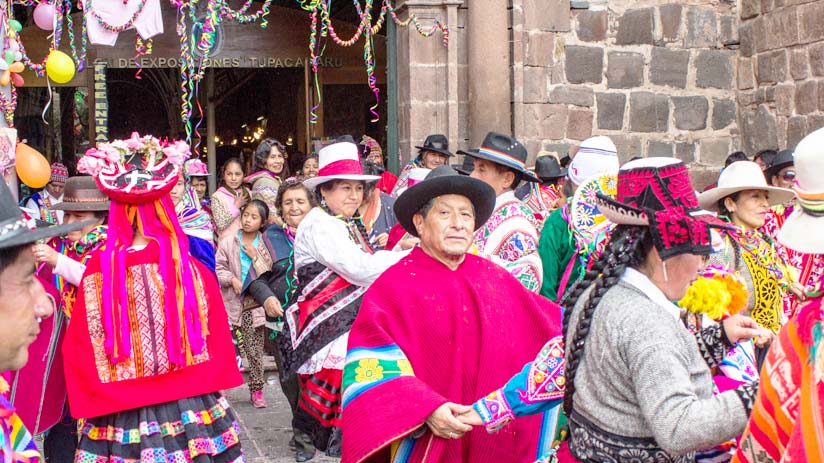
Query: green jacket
{"points": [[556, 247]]}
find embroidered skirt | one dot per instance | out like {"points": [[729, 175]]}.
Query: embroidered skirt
{"points": [[198, 429]]}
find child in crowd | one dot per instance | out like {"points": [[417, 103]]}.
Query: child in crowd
{"points": [[229, 199], [240, 259]]}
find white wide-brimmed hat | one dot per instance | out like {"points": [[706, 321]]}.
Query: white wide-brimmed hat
{"points": [[339, 161], [803, 231], [741, 176]]}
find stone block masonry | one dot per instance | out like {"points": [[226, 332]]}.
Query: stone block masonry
{"points": [[659, 77], [780, 68]]}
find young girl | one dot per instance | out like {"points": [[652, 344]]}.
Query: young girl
{"points": [[240, 259], [229, 199]]}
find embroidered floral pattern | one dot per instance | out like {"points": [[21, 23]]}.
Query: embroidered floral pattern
{"points": [[368, 370], [546, 379]]}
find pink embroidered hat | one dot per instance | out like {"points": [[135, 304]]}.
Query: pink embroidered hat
{"points": [[657, 192], [339, 161]]}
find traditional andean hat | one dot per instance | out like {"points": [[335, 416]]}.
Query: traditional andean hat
{"points": [[82, 194], [740, 176], [339, 161], [803, 231], [657, 192], [441, 181]]}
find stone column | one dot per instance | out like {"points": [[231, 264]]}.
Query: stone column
{"points": [[428, 76], [490, 89]]}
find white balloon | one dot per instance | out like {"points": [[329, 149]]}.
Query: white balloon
{"points": [[3, 65], [18, 56], [13, 45]]}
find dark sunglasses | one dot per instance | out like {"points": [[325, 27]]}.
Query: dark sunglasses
{"points": [[788, 175]]}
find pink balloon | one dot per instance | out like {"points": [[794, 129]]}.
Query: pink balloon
{"points": [[44, 16]]}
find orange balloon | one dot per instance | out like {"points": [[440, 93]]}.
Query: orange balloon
{"points": [[32, 167], [16, 66], [5, 78]]}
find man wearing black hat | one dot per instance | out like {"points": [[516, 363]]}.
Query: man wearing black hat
{"points": [[545, 196], [432, 333], [434, 153], [510, 236], [23, 305]]}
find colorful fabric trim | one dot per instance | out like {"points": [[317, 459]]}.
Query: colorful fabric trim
{"points": [[494, 411], [16, 443], [193, 219], [370, 367], [546, 379]]}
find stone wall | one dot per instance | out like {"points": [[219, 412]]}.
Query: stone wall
{"points": [[780, 72], [657, 77]]}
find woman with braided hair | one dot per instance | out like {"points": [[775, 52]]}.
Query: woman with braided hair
{"points": [[335, 265], [637, 385]]}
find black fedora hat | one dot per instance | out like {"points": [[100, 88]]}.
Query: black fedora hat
{"points": [[82, 194], [468, 164], [437, 143], [15, 230], [506, 151], [548, 168], [783, 159], [441, 181]]}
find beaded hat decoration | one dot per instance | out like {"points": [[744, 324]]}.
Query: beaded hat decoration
{"points": [[137, 174], [658, 193]]}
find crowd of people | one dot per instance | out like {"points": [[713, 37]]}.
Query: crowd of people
{"points": [[488, 311]]}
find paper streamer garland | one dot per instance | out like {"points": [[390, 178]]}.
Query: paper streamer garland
{"points": [[322, 27]]}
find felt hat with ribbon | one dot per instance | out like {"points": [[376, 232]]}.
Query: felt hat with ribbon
{"points": [[657, 193], [339, 161], [803, 231], [442, 181], [137, 174], [17, 230], [82, 194], [505, 151], [741, 176], [437, 143]]}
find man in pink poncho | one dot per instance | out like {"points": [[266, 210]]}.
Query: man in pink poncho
{"points": [[463, 327]]}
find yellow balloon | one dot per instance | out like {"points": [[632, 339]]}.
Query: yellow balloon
{"points": [[59, 67], [32, 168], [16, 66], [5, 78]]}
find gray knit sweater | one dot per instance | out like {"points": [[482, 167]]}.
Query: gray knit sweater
{"points": [[643, 376]]}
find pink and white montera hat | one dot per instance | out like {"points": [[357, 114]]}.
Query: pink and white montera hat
{"points": [[339, 161], [597, 155]]}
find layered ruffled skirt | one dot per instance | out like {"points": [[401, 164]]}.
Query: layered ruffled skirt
{"points": [[199, 429]]}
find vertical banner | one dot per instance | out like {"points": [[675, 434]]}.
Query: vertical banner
{"points": [[101, 103]]}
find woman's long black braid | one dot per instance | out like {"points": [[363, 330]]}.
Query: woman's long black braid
{"points": [[356, 219], [628, 246]]}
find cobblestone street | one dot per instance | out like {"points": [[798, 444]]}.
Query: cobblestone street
{"points": [[266, 431]]}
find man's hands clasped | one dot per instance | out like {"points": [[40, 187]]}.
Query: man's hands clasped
{"points": [[452, 421]]}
